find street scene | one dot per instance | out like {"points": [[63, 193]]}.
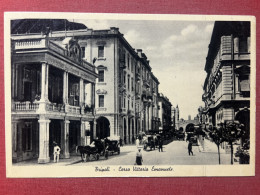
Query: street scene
{"points": [[129, 92]]}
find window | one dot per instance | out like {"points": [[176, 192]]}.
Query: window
{"points": [[132, 83], [244, 83], [128, 82], [83, 52], [101, 101], [27, 137], [101, 76], [124, 77], [128, 61], [100, 51], [243, 46]]}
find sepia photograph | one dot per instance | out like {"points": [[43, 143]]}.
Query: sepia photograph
{"points": [[135, 95]]}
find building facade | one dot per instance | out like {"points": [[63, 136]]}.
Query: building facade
{"points": [[49, 83], [227, 85], [164, 113]]}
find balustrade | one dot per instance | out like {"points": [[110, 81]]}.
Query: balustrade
{"points": [[25, 106]]}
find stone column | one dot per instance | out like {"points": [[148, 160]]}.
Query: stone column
{"points": [[81, 92], [47, 83], [42, 105], [82, 133], [14, 140], [44, 156], [65, 87], [87, 138], [66, 152], [93, 94], [131, 130], [127, 130], [94, 128]]}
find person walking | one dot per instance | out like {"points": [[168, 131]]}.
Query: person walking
{"points": [[160, 145], [139, 157], [190, 148], [137, 142], [56, 153]]}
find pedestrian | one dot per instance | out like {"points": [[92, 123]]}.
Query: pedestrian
{"points": [[121, 142], [137, 142], [160, 145], [56, 153], [139, 157], [190, 148]]}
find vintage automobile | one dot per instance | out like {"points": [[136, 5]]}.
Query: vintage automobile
{"points": [[149, 142], [112, 146], [179, 135]]}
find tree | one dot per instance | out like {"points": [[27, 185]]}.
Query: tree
{"points": [[217, 138], [232, 132]]}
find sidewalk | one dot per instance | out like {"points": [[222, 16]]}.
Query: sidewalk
{"points": [[74, 159], [210, 146]]}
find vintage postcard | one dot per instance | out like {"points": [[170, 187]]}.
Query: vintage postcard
{"points": [[129, 95]]}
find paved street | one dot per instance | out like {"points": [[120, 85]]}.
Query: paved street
{"points": [[175, 153]]}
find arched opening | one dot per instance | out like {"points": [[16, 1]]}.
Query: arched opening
{"points": [[124, 130], [243, 117], [129, 129], [190, 128], [133, 131], [103, 128]]}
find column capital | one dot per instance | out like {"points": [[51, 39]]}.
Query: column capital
{"points": [[66, 121], [44, 121]]}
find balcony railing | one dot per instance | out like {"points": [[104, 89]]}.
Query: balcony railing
{"points": [[72, 109], [55, 107], [40, 43], [131, 112], [122, 87], [25, 106], [30, 44], [138, 76], [146, 83], [123, 111]]}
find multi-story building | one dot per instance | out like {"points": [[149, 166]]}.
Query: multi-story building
{"points": [[126, 90], [227, 85], [111, 86], [164, 112], [51, 86]]}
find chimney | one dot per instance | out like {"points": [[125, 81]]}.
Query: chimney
{"points": [[139, 52]]}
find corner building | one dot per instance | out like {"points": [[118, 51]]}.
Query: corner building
{"points": [[126, 89], [52, 96], [227, 85]]}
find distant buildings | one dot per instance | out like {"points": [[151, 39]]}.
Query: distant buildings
{"points": [[71, 84], [227, 85], [164, 112]]}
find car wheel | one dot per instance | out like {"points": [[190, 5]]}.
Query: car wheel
{"points": [[118, 151]]}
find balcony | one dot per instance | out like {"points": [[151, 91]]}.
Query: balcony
{"points": [[137, 96], [72, 109], [131, 113], [25, 106], [123, 111], [122, 87], [55, 107], [44, 43], [138, 76], [122, 65], [146, 83]]}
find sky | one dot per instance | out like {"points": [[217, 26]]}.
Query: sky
{"points": [[177, 51]]}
